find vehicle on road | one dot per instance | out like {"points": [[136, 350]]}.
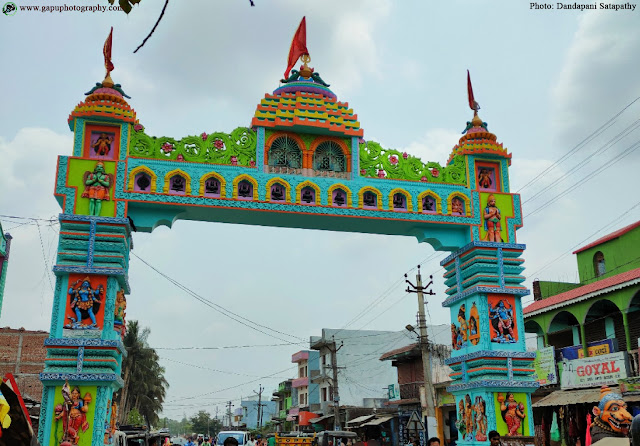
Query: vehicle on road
{"points": [[334, 438], [241, 436]]}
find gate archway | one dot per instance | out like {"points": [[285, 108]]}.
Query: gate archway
{"points": [[119, 180]]}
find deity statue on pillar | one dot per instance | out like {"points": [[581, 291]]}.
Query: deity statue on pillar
{"points": [[97, 184], [492, 220], [83, 298]]}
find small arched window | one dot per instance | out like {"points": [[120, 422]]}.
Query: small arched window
{"points": [[212, 187], [245, 190], [399, 202], [457, 206], [339, 197], [598, 264], [285, 152], [429, 205], [369, 199], [308, 195], [142, 183], [177, 185], [278, 192], [329, 157]]}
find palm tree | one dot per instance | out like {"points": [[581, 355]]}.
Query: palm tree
{"points": [[144, 382]]}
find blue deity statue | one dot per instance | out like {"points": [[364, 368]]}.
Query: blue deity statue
{"points": [[83, 298], [502, 321]]}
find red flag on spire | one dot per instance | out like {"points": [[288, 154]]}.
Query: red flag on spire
{"points": [[298, 46], [107, 52], [472, 102]]}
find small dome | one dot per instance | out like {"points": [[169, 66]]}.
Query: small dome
{"points": [[477, 139], [105, 100], [305, 101]]}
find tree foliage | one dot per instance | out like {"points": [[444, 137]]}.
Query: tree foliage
{"points": [[144, 382], [202, 423]]}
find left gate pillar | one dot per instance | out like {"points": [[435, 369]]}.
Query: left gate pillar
{"points": [[85, 349]]}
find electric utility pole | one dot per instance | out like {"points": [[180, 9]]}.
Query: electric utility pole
{"points": [[229, 404], [337, 425], [424, 339], [259, 415]]}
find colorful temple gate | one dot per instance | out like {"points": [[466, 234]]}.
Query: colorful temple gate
{"points": [[303, 163]]}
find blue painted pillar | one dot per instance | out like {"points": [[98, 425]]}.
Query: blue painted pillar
{"points": [[491, 367], [85, 352]]}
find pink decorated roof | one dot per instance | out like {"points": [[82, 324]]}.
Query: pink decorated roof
{"points": [[608, 237], [568, 296]]}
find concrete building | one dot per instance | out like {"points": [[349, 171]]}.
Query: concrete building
{"points": [[605, 303], [362, 378], [304, 391], [282, 398], [596, 320], [251, 414]]}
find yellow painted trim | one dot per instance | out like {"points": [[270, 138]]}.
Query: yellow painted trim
{"points": [[432, 194], [464, 198], [344, 188], [369, 189], [407, 196], [141, 169], [304, 184], [174, 172], [279, 180], [218, 177], [251, 180]]}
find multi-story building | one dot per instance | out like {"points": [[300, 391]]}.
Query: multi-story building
{"points": [[5, 245], [362, 378], [599, 315], [282, 398], [304, 392], [256, 411], [603, 305]]}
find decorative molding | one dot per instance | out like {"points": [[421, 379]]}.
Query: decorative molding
{"points": [[499, 354], [481, 244], [484, 289], [88, 377], [493, 383]]}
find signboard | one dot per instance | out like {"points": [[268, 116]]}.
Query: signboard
{"points": [[393, 391], [602, 347], [545, 366], [594, 371], [629, 386]]}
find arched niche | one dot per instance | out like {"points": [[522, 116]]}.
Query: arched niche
{"points": [[299, 192], [393, 200], [135, 177], [285, 194]]}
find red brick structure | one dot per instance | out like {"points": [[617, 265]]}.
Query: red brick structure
{"points": [[22, 353]]}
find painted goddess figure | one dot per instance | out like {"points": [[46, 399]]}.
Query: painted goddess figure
{"points": [[512, 412], [83, 297]]}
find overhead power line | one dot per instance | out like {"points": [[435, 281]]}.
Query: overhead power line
{"points": [[580, 145], [222, 310]]}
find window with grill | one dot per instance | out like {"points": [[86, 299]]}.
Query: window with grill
{"points": [[329, 156], [285, 152], [598, 264]]}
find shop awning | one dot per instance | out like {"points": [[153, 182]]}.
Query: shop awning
{"points": [[359, 420], [319, 419], [378, 421], [579, 396]]}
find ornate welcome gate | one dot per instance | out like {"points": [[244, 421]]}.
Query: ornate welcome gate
{"points": [[304, 164]]}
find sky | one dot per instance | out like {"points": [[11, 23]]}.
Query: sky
{"points": [[557, 87]]}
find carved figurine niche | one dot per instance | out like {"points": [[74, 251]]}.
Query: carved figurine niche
{"points": [[97, 184], [85, 301], [512, 413], [492, 220], [73, 413]]}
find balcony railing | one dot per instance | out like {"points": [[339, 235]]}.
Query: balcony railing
{"points": [[410, 390]]}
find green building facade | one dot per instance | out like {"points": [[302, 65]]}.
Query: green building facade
{"points": [[604, 304]]}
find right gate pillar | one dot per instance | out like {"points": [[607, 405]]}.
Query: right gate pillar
{"points": [[491, 368]]}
